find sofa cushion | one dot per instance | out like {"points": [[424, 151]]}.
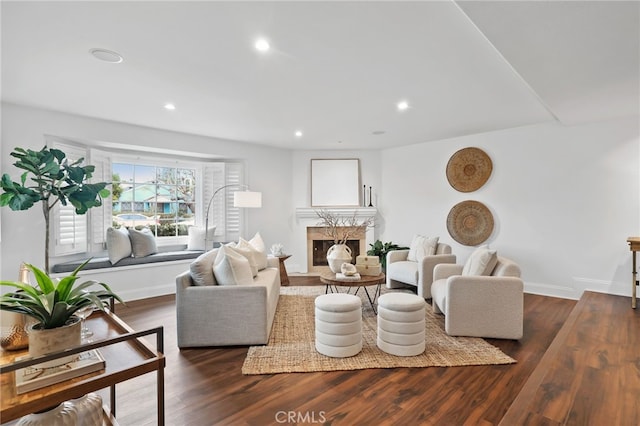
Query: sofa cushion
{"points": [[118, 244], [481, 262], [439, 293], [197, 237], [258, 244], [143, 243], [231, 268], [202, 268], [404, 271], [421, 247], [252, 255]]}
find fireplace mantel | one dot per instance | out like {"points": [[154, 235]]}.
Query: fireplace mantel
{"points": [[359, 212]]}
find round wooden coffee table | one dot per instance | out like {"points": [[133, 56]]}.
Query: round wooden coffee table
{"points": [[332, 283]]}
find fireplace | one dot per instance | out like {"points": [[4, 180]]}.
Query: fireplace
{"points": [[307, 220], [318, 244]]}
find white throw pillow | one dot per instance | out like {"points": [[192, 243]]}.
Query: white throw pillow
{"points": [[481, 262], [197, 236], [202, 268], [421, 247], [118, 244], [252, 255], [231, 268], [143, 243], [258, 244]]}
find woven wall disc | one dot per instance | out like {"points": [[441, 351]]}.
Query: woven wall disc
{"points": [[470, 223], [468, 169]]}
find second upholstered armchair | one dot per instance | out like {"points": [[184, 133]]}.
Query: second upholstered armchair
{"points": [[414, 267], [480, 302]]}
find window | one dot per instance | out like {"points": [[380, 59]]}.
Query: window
{"points": [[161, 198], [158, 192]]}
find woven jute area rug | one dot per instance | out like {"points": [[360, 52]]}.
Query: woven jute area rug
{"points": [[291, 347]]}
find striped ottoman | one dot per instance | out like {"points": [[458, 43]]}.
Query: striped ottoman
{"points": [[338, 325], [401, 324]]}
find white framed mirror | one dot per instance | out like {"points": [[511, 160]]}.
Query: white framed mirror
{"points": [[335, 182]]}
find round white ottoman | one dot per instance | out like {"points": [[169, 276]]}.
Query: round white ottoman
{"points": [[338, 325], [401, 324]]}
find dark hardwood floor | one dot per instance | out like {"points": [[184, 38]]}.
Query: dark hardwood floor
{"points": [[206, 386]]}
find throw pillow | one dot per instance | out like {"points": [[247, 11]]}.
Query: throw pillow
{"points": [[481, 262], [143, 243], [421, 247], [202, 268], [252, 255], [197, 237], [258, 244], [231, 268], [118, 244]]}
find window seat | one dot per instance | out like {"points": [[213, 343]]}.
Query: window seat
{"points": [[103, 262], [135, 278]]}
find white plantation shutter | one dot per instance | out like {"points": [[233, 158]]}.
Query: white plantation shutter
{"points": [[223, 215], [100, 218], [69, 228], [234, 176]]}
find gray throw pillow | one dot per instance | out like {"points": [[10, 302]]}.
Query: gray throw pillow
{"points": [[118, 244], [143, 243], [202, 268]]}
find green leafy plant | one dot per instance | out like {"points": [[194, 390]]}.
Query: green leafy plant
{"points": [[50, 178], [380, 249], [53, 302]]}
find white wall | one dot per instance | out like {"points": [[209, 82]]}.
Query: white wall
{"points": [[564, 201], [269, 171]]}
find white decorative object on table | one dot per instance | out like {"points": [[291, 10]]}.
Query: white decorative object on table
{"points": [[348, 269], [64, 414], [337, 255], [277, 249]]}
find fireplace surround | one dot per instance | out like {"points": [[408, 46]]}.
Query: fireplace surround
{"points": [[306, 229]]}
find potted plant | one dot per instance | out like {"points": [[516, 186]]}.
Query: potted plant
{"points": [[380, 249], [52, 304], [52, 179]]}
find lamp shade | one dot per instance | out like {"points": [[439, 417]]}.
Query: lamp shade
{"points": [[247, 199]]}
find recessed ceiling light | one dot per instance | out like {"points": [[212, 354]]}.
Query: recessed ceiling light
{"points": [[403, 105], [169, 106], [262, 45], [298, 134], [378, 132], [107, 55]]}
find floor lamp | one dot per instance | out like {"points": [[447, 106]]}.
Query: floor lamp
{"points": [[242, 199]]}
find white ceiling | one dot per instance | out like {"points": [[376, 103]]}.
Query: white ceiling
{"points": [[336, 69]]}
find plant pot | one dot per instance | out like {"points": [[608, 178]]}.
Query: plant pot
{"points": [[337, 255], [46, 341]]}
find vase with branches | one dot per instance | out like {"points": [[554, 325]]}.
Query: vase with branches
{"points": [[50, 178], [341, 229]]}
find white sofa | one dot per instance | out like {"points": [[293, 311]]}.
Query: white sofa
{"points": [[216, 315]]}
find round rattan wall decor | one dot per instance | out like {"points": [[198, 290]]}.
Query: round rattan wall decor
{"points": [[470, 223], [468, 169]]}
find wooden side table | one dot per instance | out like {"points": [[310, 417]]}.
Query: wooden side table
{"points": [[634, 245], [284, 278]]}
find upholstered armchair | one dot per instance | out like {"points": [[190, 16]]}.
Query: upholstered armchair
{"points": [[401, 271], [488, 305]]}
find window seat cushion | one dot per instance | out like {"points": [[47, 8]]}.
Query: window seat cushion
{"points": [[103, 262]]}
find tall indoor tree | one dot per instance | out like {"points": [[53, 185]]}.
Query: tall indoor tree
{"points": [[49, 177]]}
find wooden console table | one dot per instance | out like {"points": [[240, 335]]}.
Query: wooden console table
{"points": [[126, 356], [634, 245]]}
